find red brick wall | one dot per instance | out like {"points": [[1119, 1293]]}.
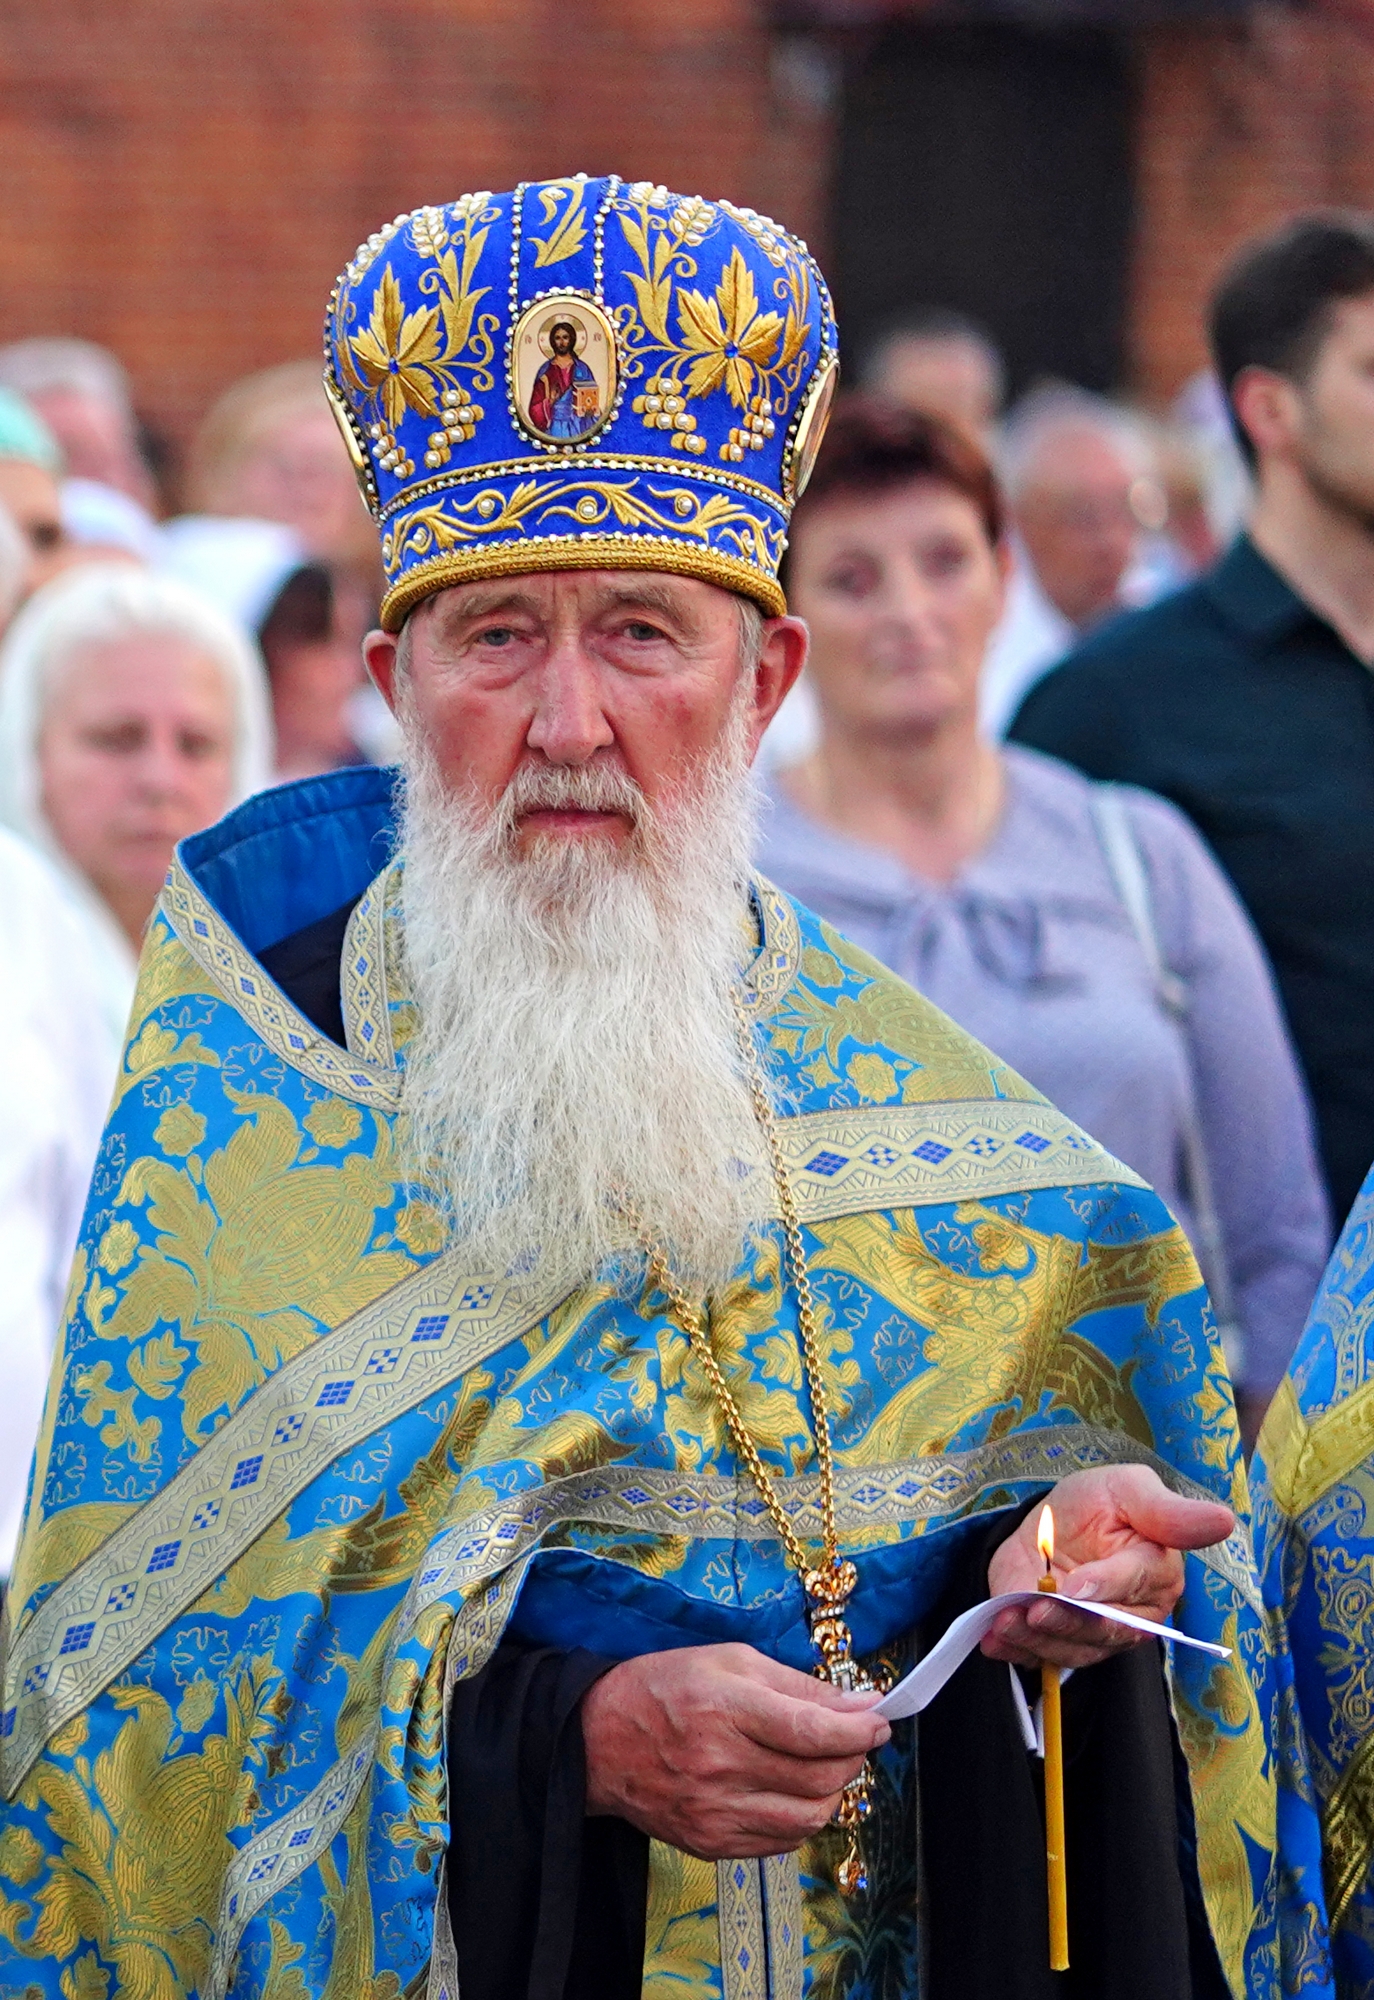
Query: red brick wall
{"points": [[183, 179], [1238, 128]]}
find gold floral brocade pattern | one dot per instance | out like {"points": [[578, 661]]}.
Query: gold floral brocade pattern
{"points": [[339, 1457]]}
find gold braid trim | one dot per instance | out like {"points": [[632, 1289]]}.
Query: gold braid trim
{"points": [[1307, 1456], [1348, 1828], [563, 552]]}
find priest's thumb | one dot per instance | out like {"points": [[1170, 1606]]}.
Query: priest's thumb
{"points": [[1166, 1518]]}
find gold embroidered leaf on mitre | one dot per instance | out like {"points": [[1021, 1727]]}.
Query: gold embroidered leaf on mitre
{"points": [[568, 235], [395, 351], [458, 300], [653, 287], [728, 334]]}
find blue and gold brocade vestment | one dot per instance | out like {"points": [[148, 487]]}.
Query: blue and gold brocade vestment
{"points": [[1314, 1525], [299, 1469]]}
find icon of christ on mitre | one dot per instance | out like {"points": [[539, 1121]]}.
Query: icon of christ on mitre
{"points": [[565, 401]]}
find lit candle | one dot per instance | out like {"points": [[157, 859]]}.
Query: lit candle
{"points": [[1053, 1727]]}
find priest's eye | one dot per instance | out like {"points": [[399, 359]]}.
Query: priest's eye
{"points": [[643, 633], [496, 635]]}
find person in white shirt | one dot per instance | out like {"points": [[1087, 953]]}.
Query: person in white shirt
{"points": [[54, 1094], [131, 714]]}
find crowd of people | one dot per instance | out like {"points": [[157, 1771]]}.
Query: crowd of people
{"points": [[444, 1171], [1083, 748], [1178, 819]]}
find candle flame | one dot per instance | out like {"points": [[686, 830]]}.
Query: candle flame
{"points": [[1044, 1534]]}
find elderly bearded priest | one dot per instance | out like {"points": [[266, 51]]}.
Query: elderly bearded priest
{"points": [[525, 1243]]}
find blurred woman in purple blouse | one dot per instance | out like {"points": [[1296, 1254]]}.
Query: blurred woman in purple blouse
{"points": [[1084, 933]]}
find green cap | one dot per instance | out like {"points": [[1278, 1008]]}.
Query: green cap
{"points": [[23, 434]]}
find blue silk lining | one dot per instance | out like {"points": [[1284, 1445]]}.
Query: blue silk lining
{"points": [[571, 1598], [288, 857]]}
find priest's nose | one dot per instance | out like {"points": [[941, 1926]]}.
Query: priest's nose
{"points": [[569, 724]]}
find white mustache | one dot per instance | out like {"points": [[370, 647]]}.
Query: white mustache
{"points": [[572, 788]]}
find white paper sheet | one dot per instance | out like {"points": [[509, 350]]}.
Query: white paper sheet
{"points": [[926, 1679]]}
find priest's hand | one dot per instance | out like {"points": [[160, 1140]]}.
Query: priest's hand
{"points": [[1117, 1533], [722, 1752]]}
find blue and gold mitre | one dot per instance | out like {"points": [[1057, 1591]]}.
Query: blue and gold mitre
{"points": [[581, 374]]}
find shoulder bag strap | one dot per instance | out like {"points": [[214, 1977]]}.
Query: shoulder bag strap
{"points": [[1127, 865]]}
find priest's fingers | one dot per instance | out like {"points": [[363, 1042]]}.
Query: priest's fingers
{"points": [[1046, 1635], [1143, 1578], [1164, 1517], [756, 1823], [1094, 1510], [757, 1770], [801, 1727], [672, 1737], [1117, 1510], [794, 1713], [787, 1680]]}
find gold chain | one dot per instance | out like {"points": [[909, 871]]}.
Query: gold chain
{"points": [[829, 1584]]}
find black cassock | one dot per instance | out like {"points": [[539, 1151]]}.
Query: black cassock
{"points": [[547, 1904]]}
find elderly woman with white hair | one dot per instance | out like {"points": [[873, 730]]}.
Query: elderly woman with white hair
{"points": [[132, 713]]}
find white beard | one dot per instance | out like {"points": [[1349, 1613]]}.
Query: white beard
{"points": [[578, 1041]]}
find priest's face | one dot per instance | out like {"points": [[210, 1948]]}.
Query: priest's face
{"points": [[579, 822], [628, 676]]}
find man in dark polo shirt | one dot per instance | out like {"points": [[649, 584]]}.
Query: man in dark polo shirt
{"points": [[1248, 698]]}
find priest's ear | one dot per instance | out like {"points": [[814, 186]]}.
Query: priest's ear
{"points": [[781, 655], [383, 656]]}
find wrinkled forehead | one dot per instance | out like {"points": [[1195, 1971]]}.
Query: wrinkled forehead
{"points": [[155, 669], [691, 608]]}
